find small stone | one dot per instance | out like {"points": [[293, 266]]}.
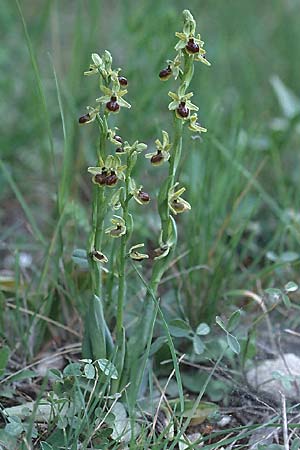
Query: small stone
{"points": [[262, 377]]}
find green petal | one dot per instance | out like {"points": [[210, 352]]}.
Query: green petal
{"points": [[173, 105], [123, 103]]}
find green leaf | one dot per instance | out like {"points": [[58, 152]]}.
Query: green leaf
{"points": [[89, 371], [296, 444], [179, 328], [221, 324], [274, 293], [4, 357], [72, 369], [15, 426], [62, 422], [23, 375], [108, 368], [203, 411], [55, 374], [289, 256], [157, 344], [198, 345], [286, 300], [233, 343], [233, 320], [45, 446], [291, 286], [202, 329], [122, 426], [7, 440]]}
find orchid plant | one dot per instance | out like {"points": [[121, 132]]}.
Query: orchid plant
{"points": [[114, 188]]}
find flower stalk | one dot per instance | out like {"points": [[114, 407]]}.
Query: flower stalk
{"points": [[113, 189]]}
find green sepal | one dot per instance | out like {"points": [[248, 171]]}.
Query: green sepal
{"points": [[132, 161]]}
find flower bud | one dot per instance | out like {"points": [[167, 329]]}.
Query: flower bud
{"points": [[192, 47], [162, 251], [117, 232], [118, 228], [165, 74], [85, 118], [118, 138], [143, 197], [157, 159], [113, 105], [97, 60], [98, 256], [136, 255], [123, 81], [182, 110], [179, 206]]}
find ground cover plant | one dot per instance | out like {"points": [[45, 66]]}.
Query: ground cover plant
{"points": [[124, 323]]}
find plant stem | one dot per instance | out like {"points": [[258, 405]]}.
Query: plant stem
{"points": [[160, 266], [167, 222], [122, 254], [98, 211]]}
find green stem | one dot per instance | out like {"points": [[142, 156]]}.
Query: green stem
{"points": [[98, 211], [122, 255], [173, 165], [167, 222]]}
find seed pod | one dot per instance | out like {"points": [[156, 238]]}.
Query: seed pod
{"points": [[157, 159], [85, 118], [192, 47], [182, 110], [144, 197], [123, 81], [111, 180], [165, 74], [113, 105]]}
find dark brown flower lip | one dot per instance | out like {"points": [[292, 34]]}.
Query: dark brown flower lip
{"points": [[85, 118], [113, 105], [165, 73], [156, 159], [177, 205], [111, 179], [98, 255], [182, 110], [144, 196], [100, 178], [192, 46], [123, 81]]}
